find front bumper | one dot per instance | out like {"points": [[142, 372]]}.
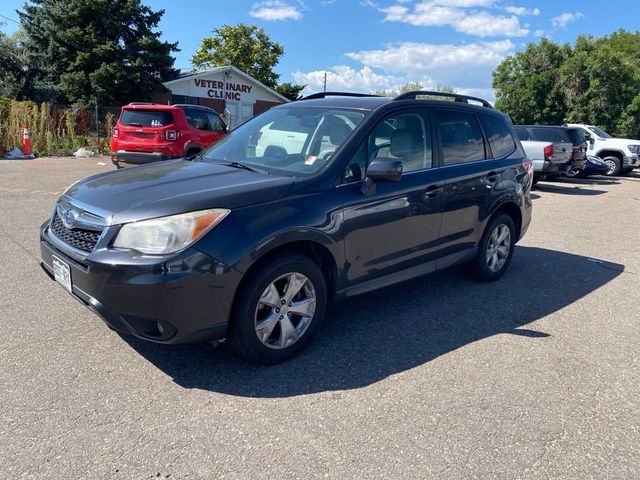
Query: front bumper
{"points": [[183, 298], [632, 161]]}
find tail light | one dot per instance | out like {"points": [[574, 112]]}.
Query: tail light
{"points": [[115, 132], [171, 135], [548, 151], [528, 165]]}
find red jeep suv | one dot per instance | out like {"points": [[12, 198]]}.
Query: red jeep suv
{"points": [[147, 132]]}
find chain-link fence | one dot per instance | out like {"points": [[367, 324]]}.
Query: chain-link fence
{"points": [[56, 129]]}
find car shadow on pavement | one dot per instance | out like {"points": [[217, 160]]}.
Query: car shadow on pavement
{"points": [[568, 189], [371, 337]]}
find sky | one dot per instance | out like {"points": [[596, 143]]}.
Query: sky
{"points": [[368, 45]]}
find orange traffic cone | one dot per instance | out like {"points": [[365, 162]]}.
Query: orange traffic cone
{"points": [[26, 142]]}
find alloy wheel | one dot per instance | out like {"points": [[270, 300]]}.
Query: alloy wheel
{"points": [[498, 248], [285, 310]]}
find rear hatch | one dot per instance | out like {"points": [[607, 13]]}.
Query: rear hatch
{"points": [[144, 127], [562, 152]]}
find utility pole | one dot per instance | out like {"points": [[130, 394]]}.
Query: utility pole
{"points": [[325, 82]]}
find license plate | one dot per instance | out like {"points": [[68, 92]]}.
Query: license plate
{"points": [[62, 273]]}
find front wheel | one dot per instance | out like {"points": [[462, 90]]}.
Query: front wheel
{"points": [[279, 309], [613, 165], [495, 249]]}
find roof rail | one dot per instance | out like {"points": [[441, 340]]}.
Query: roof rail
{"points": [[337, 94], [191, 105], [457, 97], [142, 103]]}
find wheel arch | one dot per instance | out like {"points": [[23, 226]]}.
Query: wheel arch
{"points": [[318, 249], [610, 153], [513, 210]]}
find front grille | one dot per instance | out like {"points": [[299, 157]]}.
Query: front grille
{"points": [[79, 238]]}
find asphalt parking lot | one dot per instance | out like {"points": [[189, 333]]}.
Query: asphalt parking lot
{"points": [[535, 376]]}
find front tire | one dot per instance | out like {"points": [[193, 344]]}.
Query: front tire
{"points": [[614, 164], [279, 309], [495, 249]]}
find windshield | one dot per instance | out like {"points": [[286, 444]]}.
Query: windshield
{"points": [[291, 140], [598, 132]]}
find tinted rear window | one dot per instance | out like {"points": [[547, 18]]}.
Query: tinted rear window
{"points": [[522, 133], [146, 118], [577, 136], [460, 136], [499, 136], [551, 135]]}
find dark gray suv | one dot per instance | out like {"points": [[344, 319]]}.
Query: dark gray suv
{"points": [[249, 241]]}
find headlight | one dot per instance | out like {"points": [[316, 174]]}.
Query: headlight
{"points": [[168, 234], [633, 148]]}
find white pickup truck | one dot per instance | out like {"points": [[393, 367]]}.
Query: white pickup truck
{"points": [[549, 159], [620, 154]]}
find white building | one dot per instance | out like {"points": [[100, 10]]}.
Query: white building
{"points": [[225, 89]]}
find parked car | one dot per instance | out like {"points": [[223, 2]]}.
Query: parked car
{"points": [[549, 159], [147, 132], [594, 166], [620, 154], [564, 139], [251, 247]]}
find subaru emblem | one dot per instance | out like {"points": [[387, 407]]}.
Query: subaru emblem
{"points": [[69, 218]]}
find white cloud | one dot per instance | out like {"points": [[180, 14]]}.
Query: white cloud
{"points": [[461, 65], [540, 33], [345, 78], [273, 10], [467, 68], [565, 19], [452, 13], [484, 24], [521, 11]]}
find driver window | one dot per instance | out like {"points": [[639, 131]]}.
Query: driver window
{"points": [[401, 136]]}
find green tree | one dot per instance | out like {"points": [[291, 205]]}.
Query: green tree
{"points": [[290, 90], [11, 67], [407, 87], [526, 84], [81, 51], [245, 47]]}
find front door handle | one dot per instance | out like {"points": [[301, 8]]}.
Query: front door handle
{"points": [[433, 191]]}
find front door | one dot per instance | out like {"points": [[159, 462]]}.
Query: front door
{"points": [[396, 229]]}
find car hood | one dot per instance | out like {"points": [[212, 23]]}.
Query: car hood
{"points": [[620, 141], [167, 188]]}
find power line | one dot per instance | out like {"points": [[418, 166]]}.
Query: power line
{"points": [[10, 19]]}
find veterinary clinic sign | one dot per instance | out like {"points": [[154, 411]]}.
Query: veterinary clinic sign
{"points": [[222, 90]]}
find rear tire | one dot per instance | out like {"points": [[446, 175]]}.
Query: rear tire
{"points": [[279, 309], [495, 249], [614, 164]]}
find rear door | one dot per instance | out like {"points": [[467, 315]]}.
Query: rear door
{"points": [[470, 174]]}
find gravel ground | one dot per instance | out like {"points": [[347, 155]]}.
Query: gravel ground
{"points": [[535, 376]]}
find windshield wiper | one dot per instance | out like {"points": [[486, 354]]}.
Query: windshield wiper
{"points": [[133, 124], [245, 167]]}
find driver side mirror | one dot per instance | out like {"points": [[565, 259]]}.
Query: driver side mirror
{"points": [[589, 138], [382, 169]]}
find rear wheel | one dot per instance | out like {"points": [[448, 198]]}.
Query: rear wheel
{"points": [[279, 309], [192, 151], [614, 166], [495, 249]]}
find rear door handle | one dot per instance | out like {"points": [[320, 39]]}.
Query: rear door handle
{"points": [[492, 176]]}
